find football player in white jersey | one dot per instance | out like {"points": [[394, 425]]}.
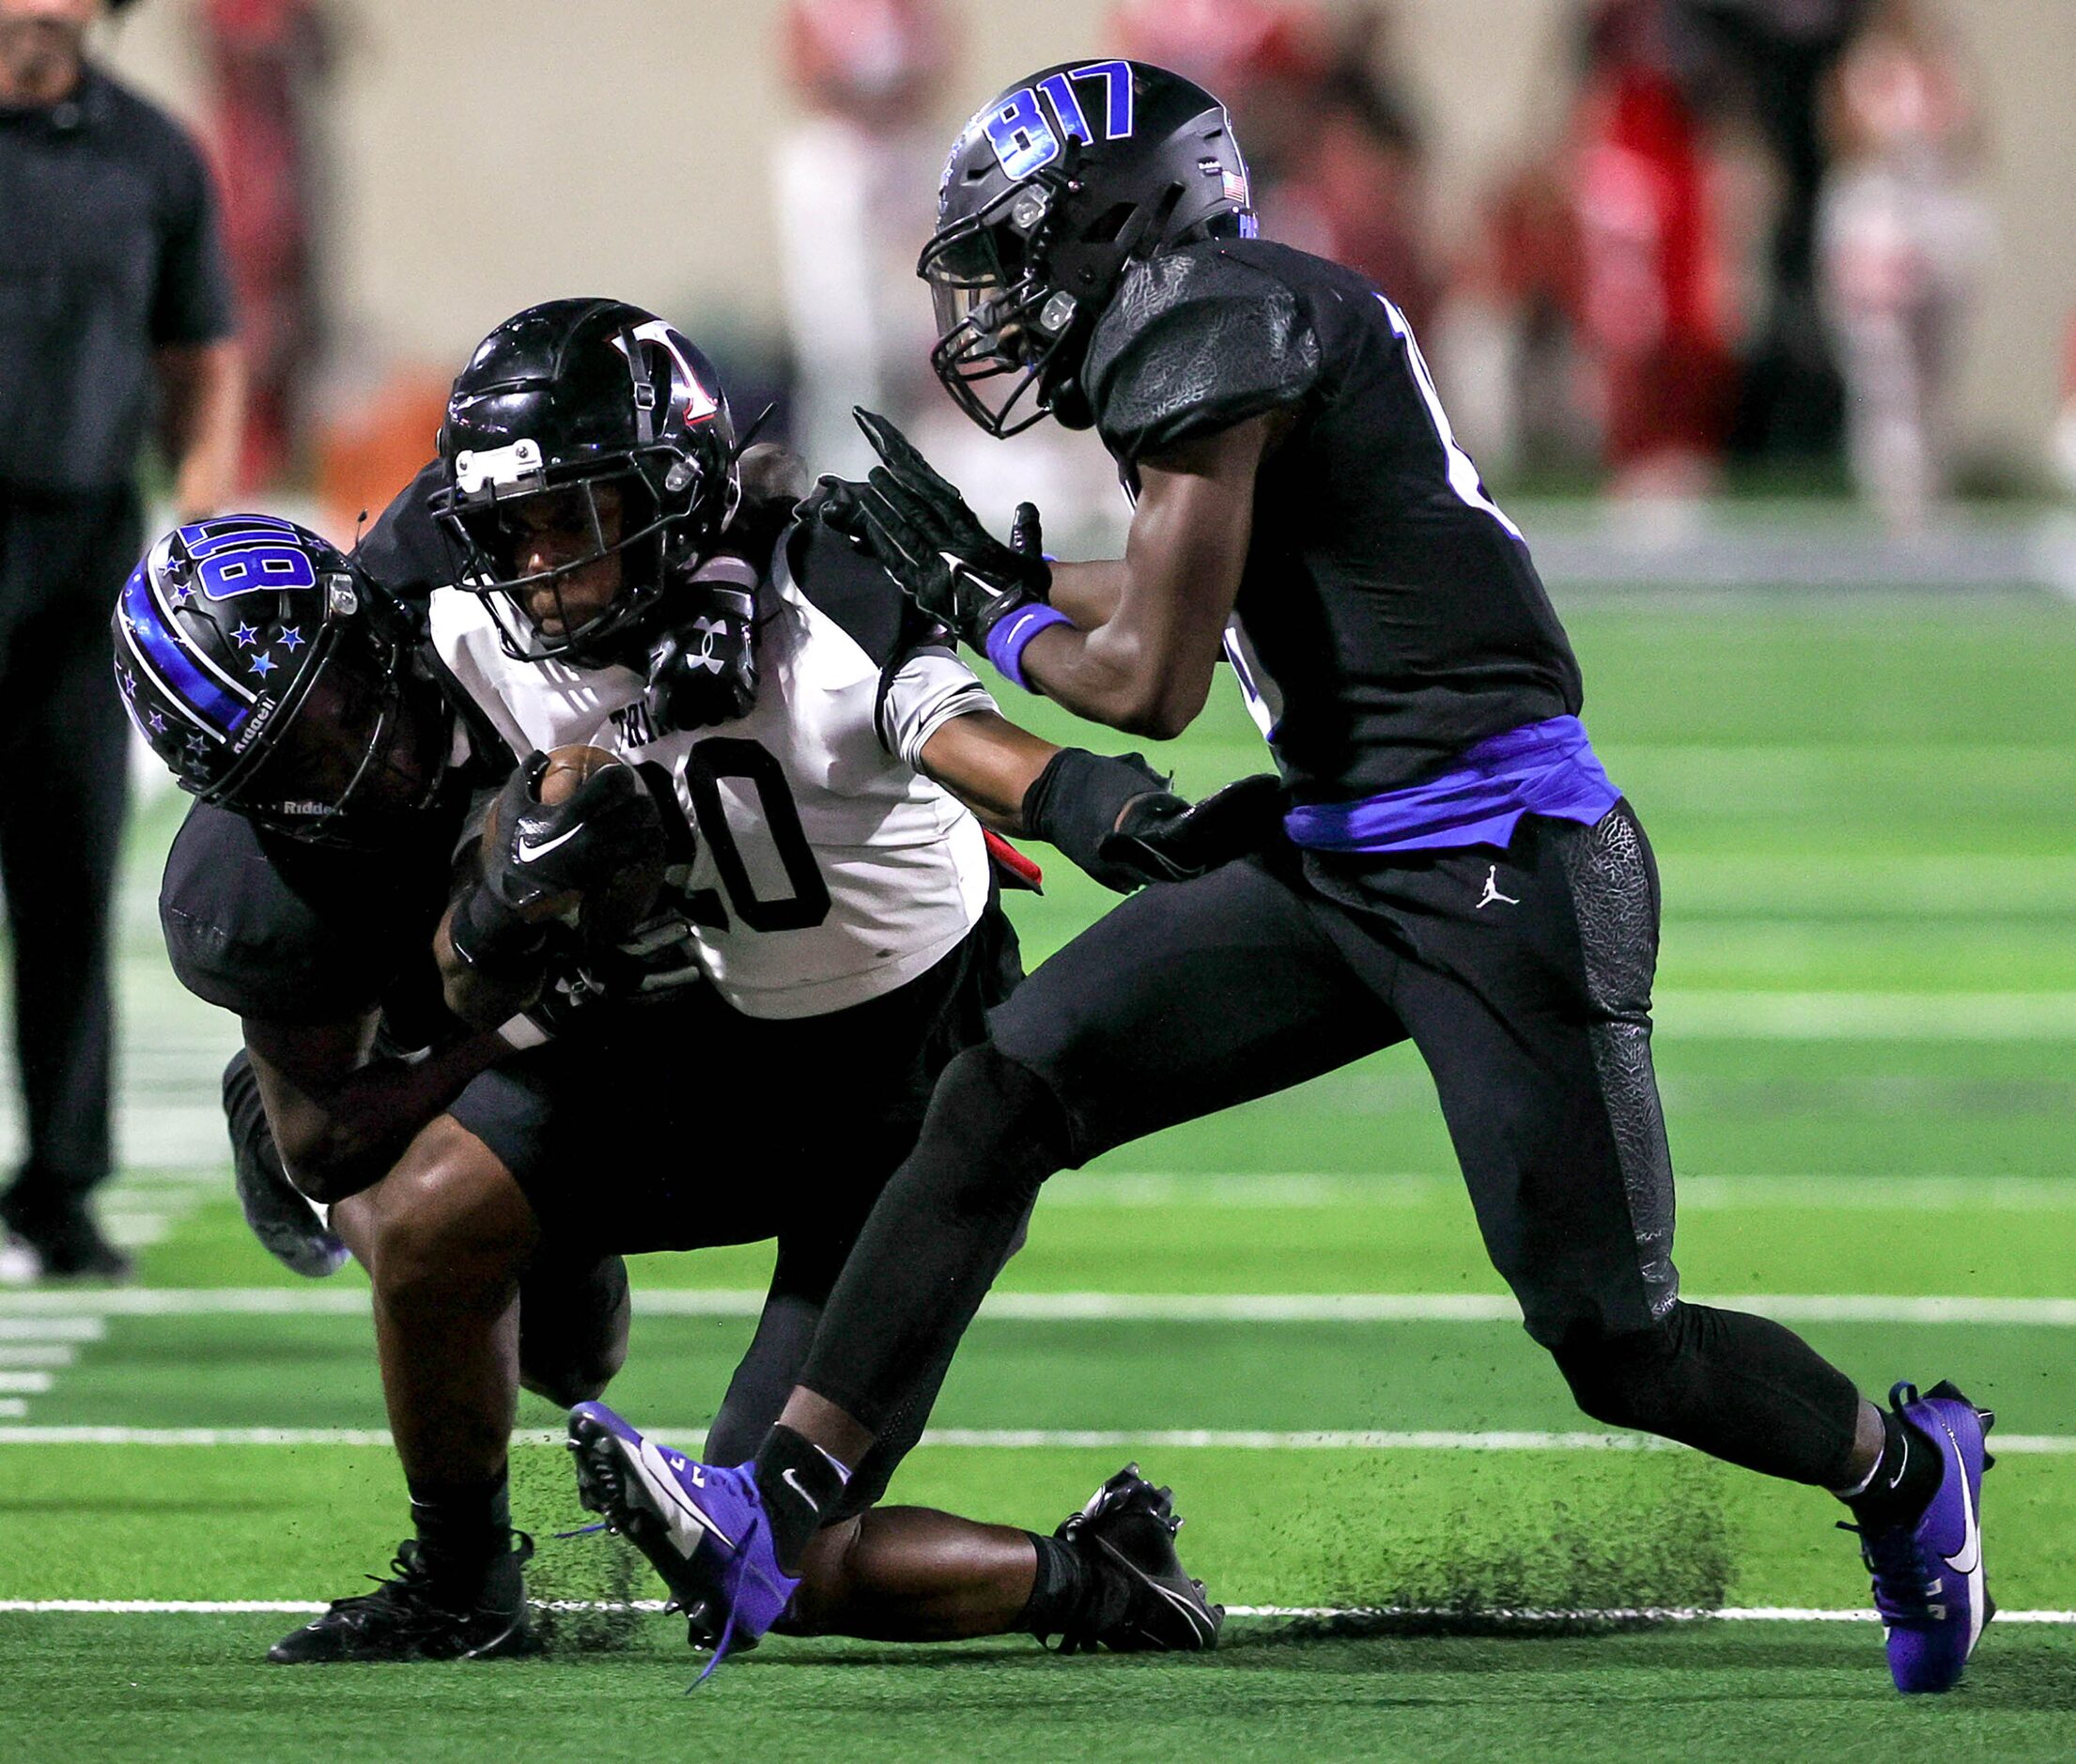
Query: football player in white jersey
{"points": [[777, 913]]}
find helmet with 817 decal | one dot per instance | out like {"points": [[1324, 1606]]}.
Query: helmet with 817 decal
{"points": [[1051, 190]]}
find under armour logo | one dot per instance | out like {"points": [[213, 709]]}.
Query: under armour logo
{"points": [[709, 630], [1492, 890]]}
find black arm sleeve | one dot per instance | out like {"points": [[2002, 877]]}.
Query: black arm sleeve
{"points": [[1194, 342]]}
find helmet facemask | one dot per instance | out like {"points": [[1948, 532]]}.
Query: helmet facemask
{"points": [[1003, 328], [359, 756], [628, 515]]}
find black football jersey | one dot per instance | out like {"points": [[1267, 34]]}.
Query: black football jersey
{"points": [[297, 934], [1389, 616]]}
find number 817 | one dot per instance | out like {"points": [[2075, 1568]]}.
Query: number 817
{"points": [[1025, 139]]}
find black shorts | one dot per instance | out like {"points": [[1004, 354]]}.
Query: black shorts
{"points": [[685, 1124], [1524, 977]]}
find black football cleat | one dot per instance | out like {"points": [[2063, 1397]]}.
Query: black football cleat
{"points": [[57, 1243], [412, 1618], [1127, 1533]]}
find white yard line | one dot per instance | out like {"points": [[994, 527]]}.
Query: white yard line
{"points": [[1740, 1613], [24, 1384], [996, 1439], [49, 1316], [1884, 1016]]}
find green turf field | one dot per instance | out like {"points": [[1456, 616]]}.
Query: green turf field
{"points": [[1868, 1048]]}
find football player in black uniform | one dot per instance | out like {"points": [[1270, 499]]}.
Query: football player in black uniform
{"points": [[1453, 866], [278, 683]]}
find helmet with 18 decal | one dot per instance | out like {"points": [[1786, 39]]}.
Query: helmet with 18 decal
{"points": [[276, 680]]}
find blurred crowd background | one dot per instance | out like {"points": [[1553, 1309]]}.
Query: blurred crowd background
{"points": [[1659, 250]]}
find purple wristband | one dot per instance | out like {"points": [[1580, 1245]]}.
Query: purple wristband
{"points": [[1006, 640]]}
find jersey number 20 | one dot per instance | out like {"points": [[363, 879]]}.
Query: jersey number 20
{"points": [[730, 756]]}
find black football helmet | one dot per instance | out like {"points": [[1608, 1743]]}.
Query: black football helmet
{"points": [[570, 399], [1051, 190], [274, 679]]}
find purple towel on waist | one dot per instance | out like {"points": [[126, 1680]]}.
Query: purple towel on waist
{"points": [[1539, 768]]}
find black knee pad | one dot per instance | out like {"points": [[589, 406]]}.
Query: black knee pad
{"points": [[1623, 1380], [1000, 1124]]}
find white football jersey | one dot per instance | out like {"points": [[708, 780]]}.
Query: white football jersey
{"points": [[829, 869]]}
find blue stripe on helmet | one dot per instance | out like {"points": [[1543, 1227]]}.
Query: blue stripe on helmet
{"points": [[219, 709]]}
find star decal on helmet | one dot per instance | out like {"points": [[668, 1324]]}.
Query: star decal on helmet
{"points": [[264, 664], [246, 635], [290, 637]]}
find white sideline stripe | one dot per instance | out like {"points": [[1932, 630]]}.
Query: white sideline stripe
{"points": [[25, 1383], [1875, 1191], [60, 1355], [14, 1408], [995, 1439], [1959, 1017], [36, 1328], [1736, 1614], [21, 1318]]}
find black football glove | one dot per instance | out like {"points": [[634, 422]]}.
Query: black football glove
{"points": [[1116, 818], [594, 861], [932, 544], [703, 670], [1162, 838]]}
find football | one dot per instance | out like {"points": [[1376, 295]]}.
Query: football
{"points": [[567, 768]]}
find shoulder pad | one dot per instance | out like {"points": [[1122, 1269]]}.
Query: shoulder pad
{"points": [[404, 552], [850, 588], [1195, 340]]}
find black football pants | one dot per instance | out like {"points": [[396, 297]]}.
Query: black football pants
{"points": [[63, 756], [1524, 977]]}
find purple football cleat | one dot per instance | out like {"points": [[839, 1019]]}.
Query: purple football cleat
{"points": [[701, 1526], [1928, 1582]]}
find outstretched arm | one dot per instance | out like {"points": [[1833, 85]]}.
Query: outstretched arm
{"points": [[1146, 667], [1112, 814], [1130, 644]]}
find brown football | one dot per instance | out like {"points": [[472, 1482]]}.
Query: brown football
{"points": [[569, 767]]}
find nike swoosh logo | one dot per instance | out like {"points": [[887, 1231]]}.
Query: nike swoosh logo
{"points": [[792, 1482], [687, 1524], [1969, 1558], [527, 853]]}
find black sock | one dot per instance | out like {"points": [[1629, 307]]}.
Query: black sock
{"points": [[1905, 1476], [1077, 1593], [462, 1527], [1057, 1591], [801, 1483]]}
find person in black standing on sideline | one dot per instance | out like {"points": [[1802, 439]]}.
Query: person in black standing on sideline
{"points": [[114, 293]]}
